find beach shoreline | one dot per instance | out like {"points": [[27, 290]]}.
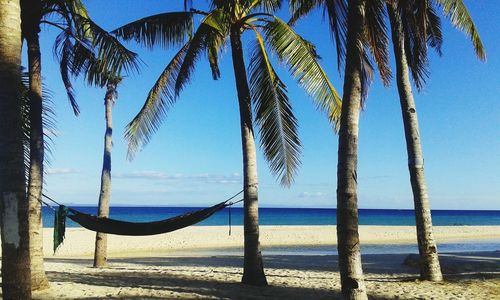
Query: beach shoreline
{"points": [[194, 240]]}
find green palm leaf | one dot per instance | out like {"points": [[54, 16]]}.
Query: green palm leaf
{"points": [[301, 59], [376, 37], [366, 74], [301, 8], [97, 59], [160, 98], [63, 50], [167, 29], [208, 38], [48, 122], [435, 35], [459, 16], [268, 6], [274, 116], [413, 16], [334, 11], [113, 57]]}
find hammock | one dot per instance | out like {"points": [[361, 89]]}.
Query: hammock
{"points": [[111, 226]]}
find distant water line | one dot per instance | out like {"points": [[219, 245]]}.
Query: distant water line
{"points": [[294, 216]]}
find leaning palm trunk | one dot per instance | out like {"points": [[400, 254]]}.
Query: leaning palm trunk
{"points": [[101, 242], [429, 261], [31, 15], [253, 269], [16, 280], [351, 272]]}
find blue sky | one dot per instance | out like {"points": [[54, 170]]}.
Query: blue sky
{"points": [[195, 158]]}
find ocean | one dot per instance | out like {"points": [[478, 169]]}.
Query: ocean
{"points": [[293, 216], [315, 216]]}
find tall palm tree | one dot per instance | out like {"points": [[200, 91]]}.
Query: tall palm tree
{"points": [[16, 281], [77, 47], [414, 24], [357, 28], [264, 91], [101, 242]]}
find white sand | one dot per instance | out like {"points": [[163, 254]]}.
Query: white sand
{"points": [[468, 277], [80, 242], [175, 265]]}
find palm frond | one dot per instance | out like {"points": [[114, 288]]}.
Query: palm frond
{"points": [[376, 37], [367, 71], [167, 29], [334, 11], [78, 14], [459, 16], [217, 41], [97, 59], [229, 6], [412, 15], [48, 123], [160, 98], [208, 39], [292, 50], [301, 8], [274, 116], [435, 36], [268, 6], [25, 117], [114, 58], [63, 49]]}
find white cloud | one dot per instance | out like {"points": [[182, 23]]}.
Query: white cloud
{"points": [[311, 195], [60, 171], [203, 177], [142, 175]]}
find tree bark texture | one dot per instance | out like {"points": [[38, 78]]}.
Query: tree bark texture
{"points": [[101, 242], [31, 17], [16, 275], [351, 272], [253, 268], [429, 261]]}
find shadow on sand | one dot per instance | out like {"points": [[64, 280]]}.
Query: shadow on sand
{"points": [[378, 268]]}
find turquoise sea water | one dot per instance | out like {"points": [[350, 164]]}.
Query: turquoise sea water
{"points": [[310, 216], [294, 216]]}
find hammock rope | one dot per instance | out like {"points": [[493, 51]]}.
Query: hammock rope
{"points": [[112, 226]]}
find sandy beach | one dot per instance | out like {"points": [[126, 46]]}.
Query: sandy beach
{"points": [[177, 265], [196, 239]]}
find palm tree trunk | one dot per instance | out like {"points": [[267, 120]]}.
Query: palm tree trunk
{"points": [[31, 15], [429, 261], [351, 271], [16, 275], [35, 181], [253, 268], [101, 241]]}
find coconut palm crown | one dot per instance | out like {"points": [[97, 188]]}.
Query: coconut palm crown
{"points": [[83, 48], [373, 42], [273, 111], [421, 27]]}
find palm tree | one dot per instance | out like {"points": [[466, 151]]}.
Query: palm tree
{"points": [[31, 16], [357, 27], [16, 281], [78, 46], [414, 25], [100, 254], [228, 20]]}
